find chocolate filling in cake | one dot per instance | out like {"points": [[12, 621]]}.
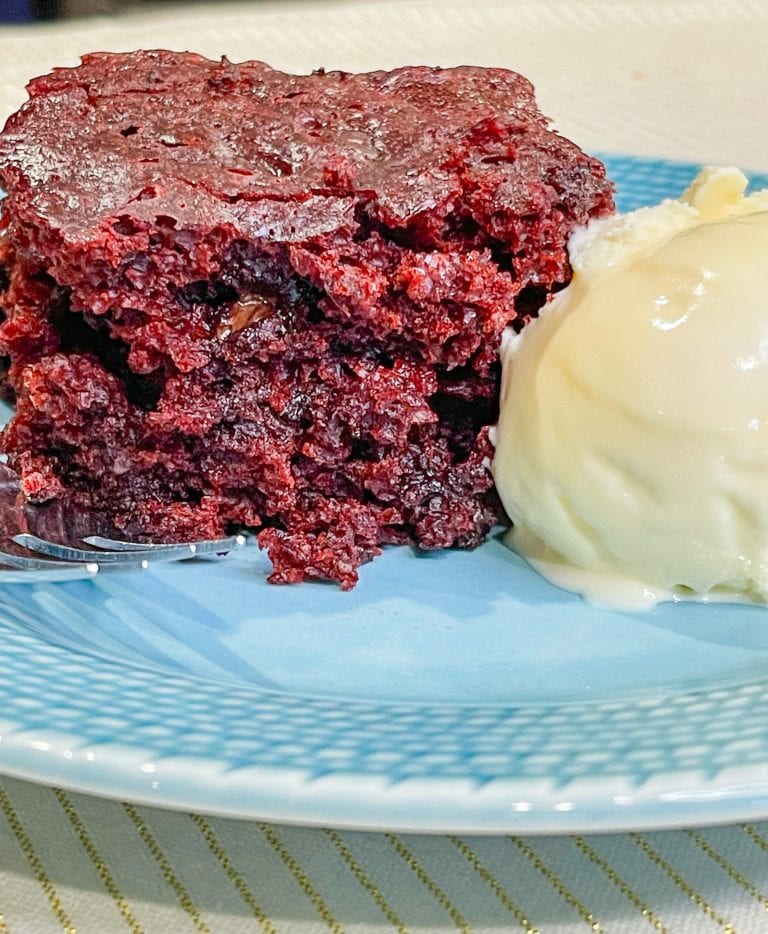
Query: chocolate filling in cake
{"points": [[239, 298]]}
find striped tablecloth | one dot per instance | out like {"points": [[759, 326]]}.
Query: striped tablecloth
{"points": [[71, 862], [74, 863]]}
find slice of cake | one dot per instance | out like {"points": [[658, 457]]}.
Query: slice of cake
{"points": [[239, 298]]}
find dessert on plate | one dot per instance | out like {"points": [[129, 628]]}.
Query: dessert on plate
{"points": [[237, 298]]}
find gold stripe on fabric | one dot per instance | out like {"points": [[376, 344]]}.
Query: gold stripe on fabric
{"points": [[232, 874], [428, 882], [38, 870], [301, 877], [493, 884], [755, 836], [728, 868], [557, 884], [166, 870], [95, 857], [610, 873], [370, 887], [4, 929], [655, 857]]}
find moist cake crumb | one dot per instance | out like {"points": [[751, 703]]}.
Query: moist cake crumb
{"points": [[238, 298]]}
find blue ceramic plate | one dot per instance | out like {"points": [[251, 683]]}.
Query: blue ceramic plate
{"points": [[453, 691]]}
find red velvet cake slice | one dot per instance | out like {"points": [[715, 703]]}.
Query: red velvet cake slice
{"points": [[240, 298]]}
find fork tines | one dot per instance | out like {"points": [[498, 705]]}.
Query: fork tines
{"points": [[67, 562]]}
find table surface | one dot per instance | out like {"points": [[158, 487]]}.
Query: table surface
{"points": [[660, 78], [69, 861]]}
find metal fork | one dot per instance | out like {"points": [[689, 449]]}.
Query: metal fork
{"points": [[53, 543]]}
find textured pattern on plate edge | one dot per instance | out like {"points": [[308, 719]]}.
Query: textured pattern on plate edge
{"points": [[98, 703]]}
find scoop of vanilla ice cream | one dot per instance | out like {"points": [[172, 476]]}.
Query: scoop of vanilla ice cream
{"points": [[632, 445]]}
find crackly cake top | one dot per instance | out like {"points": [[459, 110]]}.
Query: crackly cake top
{"points": [[174, 136]]}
